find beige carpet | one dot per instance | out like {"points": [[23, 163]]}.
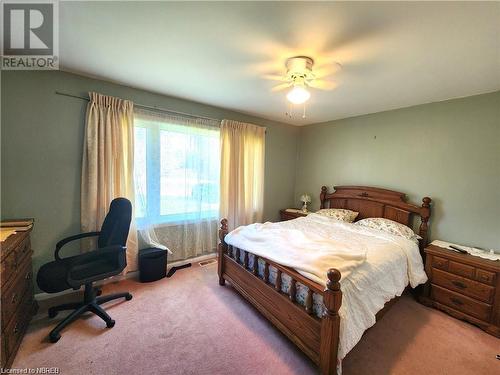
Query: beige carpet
{"points": [[188, 324]]}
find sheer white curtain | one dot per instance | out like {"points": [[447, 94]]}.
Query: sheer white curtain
{"points": [[242, 172], [176, 166]]}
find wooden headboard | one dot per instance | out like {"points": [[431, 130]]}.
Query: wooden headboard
{"points": [[375, 202]]}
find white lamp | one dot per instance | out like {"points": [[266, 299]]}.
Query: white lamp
{"points": [[298, 94], [305, 199]]}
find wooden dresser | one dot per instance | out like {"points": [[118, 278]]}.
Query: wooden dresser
{"points": [[464, 286], [17, 293], [289, 215]]}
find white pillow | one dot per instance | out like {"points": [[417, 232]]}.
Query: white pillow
{"points": [[389, 226], [339, 214]]}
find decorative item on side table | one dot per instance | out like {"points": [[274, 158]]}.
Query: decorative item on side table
{"points": [[466, 287], [305, 199]]}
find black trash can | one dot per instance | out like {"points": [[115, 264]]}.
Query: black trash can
{"points": [[152, 264]]}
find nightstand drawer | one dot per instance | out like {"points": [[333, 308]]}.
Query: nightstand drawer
{"points": [[286, 216], [486, 277], [290, 215], [440, 263], [461, 269], [463, 286], [461, 303]]}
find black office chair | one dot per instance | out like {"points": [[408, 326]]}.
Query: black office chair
{"points": [[72, 272]]}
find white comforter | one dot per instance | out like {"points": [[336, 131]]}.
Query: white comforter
{"points": [[375, 266]]}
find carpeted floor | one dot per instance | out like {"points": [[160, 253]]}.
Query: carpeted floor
{"points": [[188, 324]]}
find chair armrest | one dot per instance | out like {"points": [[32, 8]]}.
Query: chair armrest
{"points": [[116, 252], [66, 240]]}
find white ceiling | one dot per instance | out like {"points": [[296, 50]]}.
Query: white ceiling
{"points": [[392, 54]]}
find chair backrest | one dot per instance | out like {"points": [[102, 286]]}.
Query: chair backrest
{"points": [[116, 225]]}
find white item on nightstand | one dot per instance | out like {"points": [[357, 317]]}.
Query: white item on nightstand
{"points": [[486, 254]]}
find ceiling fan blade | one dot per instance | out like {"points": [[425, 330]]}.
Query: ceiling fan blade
{"points": [[274, 77], [323, 85], [283, 86], [326, 70]]}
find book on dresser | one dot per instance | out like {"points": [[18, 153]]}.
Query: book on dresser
{"points": [[464, 286], [17, 292]]}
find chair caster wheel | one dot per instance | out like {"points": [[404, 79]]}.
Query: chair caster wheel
{"points": [[54, 337], [52, 313], [128, 297], [110, 324]]}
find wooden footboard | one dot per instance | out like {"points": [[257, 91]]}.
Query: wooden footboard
{"points": [[317, 338]]}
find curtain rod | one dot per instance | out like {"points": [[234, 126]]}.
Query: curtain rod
{"points": [[144, 107]]}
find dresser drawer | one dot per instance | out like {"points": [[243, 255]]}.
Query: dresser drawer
{"points": [[3, 358], [464, 286], [12, 263], [19, 289], [461, 303], [14, 331]]}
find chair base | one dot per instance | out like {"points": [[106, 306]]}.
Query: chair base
{"points": [[90, 303]]}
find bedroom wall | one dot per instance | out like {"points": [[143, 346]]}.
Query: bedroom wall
{"points": [[42, 141], [449, 151]]}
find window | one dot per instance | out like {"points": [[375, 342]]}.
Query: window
{"points": [[176, 168]]}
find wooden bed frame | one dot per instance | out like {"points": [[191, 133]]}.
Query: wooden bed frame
{"points": [[317, 337]]}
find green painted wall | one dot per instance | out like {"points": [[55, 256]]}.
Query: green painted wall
{"points": [[448, 150], [42, 141]]}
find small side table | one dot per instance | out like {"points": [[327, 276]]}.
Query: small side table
{"points": [[291, 213], [464, 286]]}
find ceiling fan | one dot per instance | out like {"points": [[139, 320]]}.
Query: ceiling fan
{"points": [[300, 76]]}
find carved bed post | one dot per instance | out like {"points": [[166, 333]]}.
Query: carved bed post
{"points": [[322, 196], [221, 249], [425, 215], [330, 324]]}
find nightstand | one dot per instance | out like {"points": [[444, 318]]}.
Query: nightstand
{"points": [[291, 213], [464, 286]]}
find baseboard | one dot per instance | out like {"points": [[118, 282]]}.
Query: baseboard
{"points": [[131, 275], [201, 258]]}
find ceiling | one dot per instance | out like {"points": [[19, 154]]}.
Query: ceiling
{"points": [[392, 55]]}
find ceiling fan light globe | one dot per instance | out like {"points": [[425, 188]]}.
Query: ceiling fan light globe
{"points": [[298, 95]]}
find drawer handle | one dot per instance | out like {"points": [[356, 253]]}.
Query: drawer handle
{"points": [[456, 301], [14, 298], [459, 284]]}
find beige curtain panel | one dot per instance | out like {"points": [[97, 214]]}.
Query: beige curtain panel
{"points": [[108, 164], [242, 172]]}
